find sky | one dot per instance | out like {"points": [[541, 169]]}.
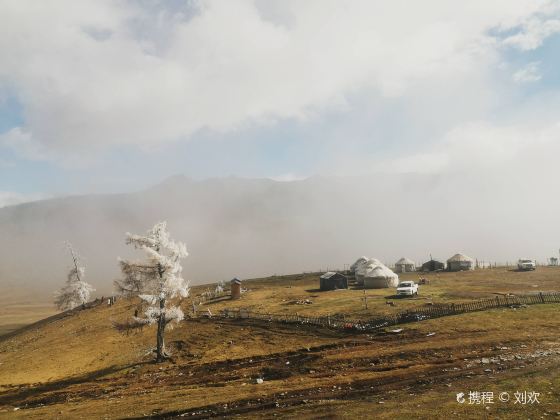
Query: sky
{"points": [[111, 96]]}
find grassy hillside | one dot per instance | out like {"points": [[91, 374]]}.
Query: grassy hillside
{"points": [[280, 294], [78, 366]]}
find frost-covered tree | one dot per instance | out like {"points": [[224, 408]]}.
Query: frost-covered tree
{"points": [[156, 280], [76, 291]]}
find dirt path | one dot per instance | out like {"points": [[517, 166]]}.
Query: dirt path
{"points": [[351, 367]]}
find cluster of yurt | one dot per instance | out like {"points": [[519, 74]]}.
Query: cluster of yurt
{"points": [[460, 262], [405, 265], [373, 274]]}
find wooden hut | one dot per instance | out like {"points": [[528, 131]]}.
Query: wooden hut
{"points": [[333, 281], [404, 265], [235, 287]]}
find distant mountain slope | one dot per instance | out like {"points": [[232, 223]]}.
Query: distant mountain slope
{"points": [[255, 227]]}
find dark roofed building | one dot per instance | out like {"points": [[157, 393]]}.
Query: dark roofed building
{"points": [[433, 265], [333, 281]]}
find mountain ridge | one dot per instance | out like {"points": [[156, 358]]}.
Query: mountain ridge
{"points": [[258, 227]]}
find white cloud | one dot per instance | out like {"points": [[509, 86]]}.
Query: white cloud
{"points": [[500, 149], [527, 74], [111, 73], [22, 141], [533, 33]]}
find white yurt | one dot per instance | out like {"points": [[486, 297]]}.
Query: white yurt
{"points": [[405, 265], [359, 261], [460, 262], [359, 269], [379, 276]]}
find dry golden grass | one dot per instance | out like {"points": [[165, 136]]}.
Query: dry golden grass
{"points": [[278, 294], [80, 367]]}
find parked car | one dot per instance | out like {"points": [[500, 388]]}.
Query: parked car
{"points": [[526, 265], [407, 288]]}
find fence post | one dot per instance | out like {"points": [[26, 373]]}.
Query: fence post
{"points": [[542, 297]]}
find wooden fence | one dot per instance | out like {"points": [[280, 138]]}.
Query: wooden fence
{"points": [[428, 312]]}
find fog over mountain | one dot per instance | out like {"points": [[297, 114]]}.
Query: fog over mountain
{"points": [[398, 128], [259, 227]]}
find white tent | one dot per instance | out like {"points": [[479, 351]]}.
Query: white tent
{"points": [[459, 262], [359, 261], [405, 265], [359, 269], [379, 276]]}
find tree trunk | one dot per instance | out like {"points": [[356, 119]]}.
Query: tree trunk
{"points": [[160, 347]]}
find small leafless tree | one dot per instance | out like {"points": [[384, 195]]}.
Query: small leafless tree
{"points": [[76, 291]]}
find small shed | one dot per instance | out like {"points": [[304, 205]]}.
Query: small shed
{"points": [[433, 265], [460, 262], [333, 281], [235, 287], [404, 265], [379, 276]]}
